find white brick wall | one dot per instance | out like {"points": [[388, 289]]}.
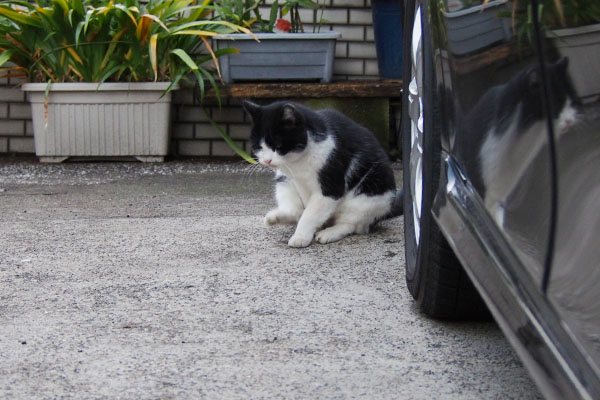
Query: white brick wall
{"points": [[182, 130], [349, 67], [196, 148], [21, 145], [350, 33], [348, 3], [239, 131], [12, 128], [336, 15], [20, 111], [3, 110], [361, 16], [362, 50]]}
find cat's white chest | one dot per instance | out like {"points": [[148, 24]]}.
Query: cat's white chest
{"points": [[303, 172]]}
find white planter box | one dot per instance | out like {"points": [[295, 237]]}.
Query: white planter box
{"points": [[581, 46], [278, 56], [110, 120]]}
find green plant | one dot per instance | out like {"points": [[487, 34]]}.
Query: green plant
{"points": [[113, 41], [247, 13], [553, 14], [569, 13], [110, 41], [242, 12]]}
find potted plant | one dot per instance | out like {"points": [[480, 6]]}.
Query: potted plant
{"points": [[285, 50], [101, 72]]}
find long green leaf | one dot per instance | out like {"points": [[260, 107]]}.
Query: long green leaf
{"points": [[5, 56], [196, 32], [127, 12], [152, 48], [78, 31], [19, 17], [234, 27], [185, 58], [273, 15], [213, 83], [111, 71], [62, 3], [234, 146], [218, 53]]}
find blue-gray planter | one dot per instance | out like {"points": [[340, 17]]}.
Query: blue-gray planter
{"points": [[477, 27], [278, 57]]}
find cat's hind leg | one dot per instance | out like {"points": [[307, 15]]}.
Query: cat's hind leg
{"points": [[289, 205], [355, 215]]}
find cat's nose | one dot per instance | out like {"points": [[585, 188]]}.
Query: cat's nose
{"points": [[268, 161]]}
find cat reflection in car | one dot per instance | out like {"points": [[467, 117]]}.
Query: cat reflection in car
{"points": [[512, 117]]}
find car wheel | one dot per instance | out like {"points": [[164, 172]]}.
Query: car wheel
{"points": [[434, 275]]}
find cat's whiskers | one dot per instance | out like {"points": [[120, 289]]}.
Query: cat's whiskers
{"points": [[251, 171], [247, 169]]}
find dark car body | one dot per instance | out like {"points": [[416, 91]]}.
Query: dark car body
{"points": [[512, 181]]}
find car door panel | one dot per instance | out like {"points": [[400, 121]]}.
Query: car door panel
{"points": [[498, 128], [520, 190], [574, 287]]}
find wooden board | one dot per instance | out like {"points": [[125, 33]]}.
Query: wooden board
{"points": [[387, 88]]}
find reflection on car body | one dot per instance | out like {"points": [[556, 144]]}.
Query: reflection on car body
{"points": [[502, 168]]}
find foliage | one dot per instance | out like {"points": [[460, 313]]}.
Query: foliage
{"points": [[113, 41], [110, 41], [554, 14], [569, 13], [247, 13]]}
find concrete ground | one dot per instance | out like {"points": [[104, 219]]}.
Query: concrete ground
{"points": [[133, 281]]}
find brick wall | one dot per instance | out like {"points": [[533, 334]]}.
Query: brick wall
{"points": [[192, 134], [16, 130]]}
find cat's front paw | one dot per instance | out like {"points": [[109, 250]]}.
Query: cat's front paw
{"points": [[277, 216], [272, 218], [300, 241]]}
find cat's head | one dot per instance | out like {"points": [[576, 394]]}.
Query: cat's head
{"points": [[564, 100], [278, 134]]}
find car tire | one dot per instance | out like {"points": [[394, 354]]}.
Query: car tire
{"points": [[434, 276]]}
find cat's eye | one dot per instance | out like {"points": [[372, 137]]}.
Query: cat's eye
{"points": [[277, 143]]}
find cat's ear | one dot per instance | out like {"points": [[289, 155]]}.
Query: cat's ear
{"points": [[534, 78], [252, 108], [289, 114]]}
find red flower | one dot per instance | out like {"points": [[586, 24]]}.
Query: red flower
{"points": [[283, 26]]}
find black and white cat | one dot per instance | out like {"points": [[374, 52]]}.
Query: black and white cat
{"points": [[333, 177]]}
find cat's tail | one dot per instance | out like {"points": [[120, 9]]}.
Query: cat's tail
{"points": [[397, 205], [396, 210]]}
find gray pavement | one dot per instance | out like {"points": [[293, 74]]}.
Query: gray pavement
{"points": [[133, 281]]}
